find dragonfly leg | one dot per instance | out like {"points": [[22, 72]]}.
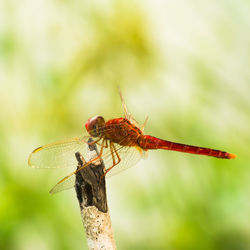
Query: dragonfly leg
{"points": [[106, 144], [94, 159], [117, 155], [112, 150], [112, 147], [112, 153], [113, 158], [95, 142]]}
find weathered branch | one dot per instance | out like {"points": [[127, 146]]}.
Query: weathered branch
{"points": [[91, 193]]}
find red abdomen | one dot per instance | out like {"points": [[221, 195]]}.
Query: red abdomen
{"points": [[150, 142]]}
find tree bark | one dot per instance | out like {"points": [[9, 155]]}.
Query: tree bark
{"points": [[91, 193]]}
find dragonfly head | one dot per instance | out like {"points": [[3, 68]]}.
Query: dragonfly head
{"points": [[94, 125]]}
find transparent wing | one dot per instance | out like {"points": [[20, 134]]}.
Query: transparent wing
{"points": [[124, 107], [129, 156], [64, 184], [59, 154]]}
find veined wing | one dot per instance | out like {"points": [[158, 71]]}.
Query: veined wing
{"points": [[129, 156], [59, 154]]}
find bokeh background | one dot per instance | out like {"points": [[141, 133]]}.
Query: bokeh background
{"points": [[185, 64]]}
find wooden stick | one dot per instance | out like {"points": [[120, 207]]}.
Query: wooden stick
{"points": [[91, 194]]}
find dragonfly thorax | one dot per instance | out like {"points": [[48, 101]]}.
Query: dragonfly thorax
{"points": [[95, 126]]}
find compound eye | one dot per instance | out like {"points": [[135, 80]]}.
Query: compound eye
{"points": [[94, 124], [93, 128]]}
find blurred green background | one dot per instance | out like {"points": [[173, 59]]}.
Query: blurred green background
{"points": [[185, 64]]}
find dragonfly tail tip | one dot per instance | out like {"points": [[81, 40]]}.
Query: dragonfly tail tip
{"points": [[232, 156]]}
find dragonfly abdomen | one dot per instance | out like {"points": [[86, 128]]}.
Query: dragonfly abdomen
{"points": [[150, 142]]}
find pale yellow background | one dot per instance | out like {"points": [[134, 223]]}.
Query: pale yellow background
{"points": [[185, 64]]}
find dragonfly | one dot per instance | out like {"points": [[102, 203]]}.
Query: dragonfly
{"points": [[121, 143]]}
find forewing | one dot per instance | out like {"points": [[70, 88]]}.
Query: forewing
{"points": [[58, 155], [129, 156]]}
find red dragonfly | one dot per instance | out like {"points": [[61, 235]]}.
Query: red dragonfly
{"points": [[121, 144]]}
